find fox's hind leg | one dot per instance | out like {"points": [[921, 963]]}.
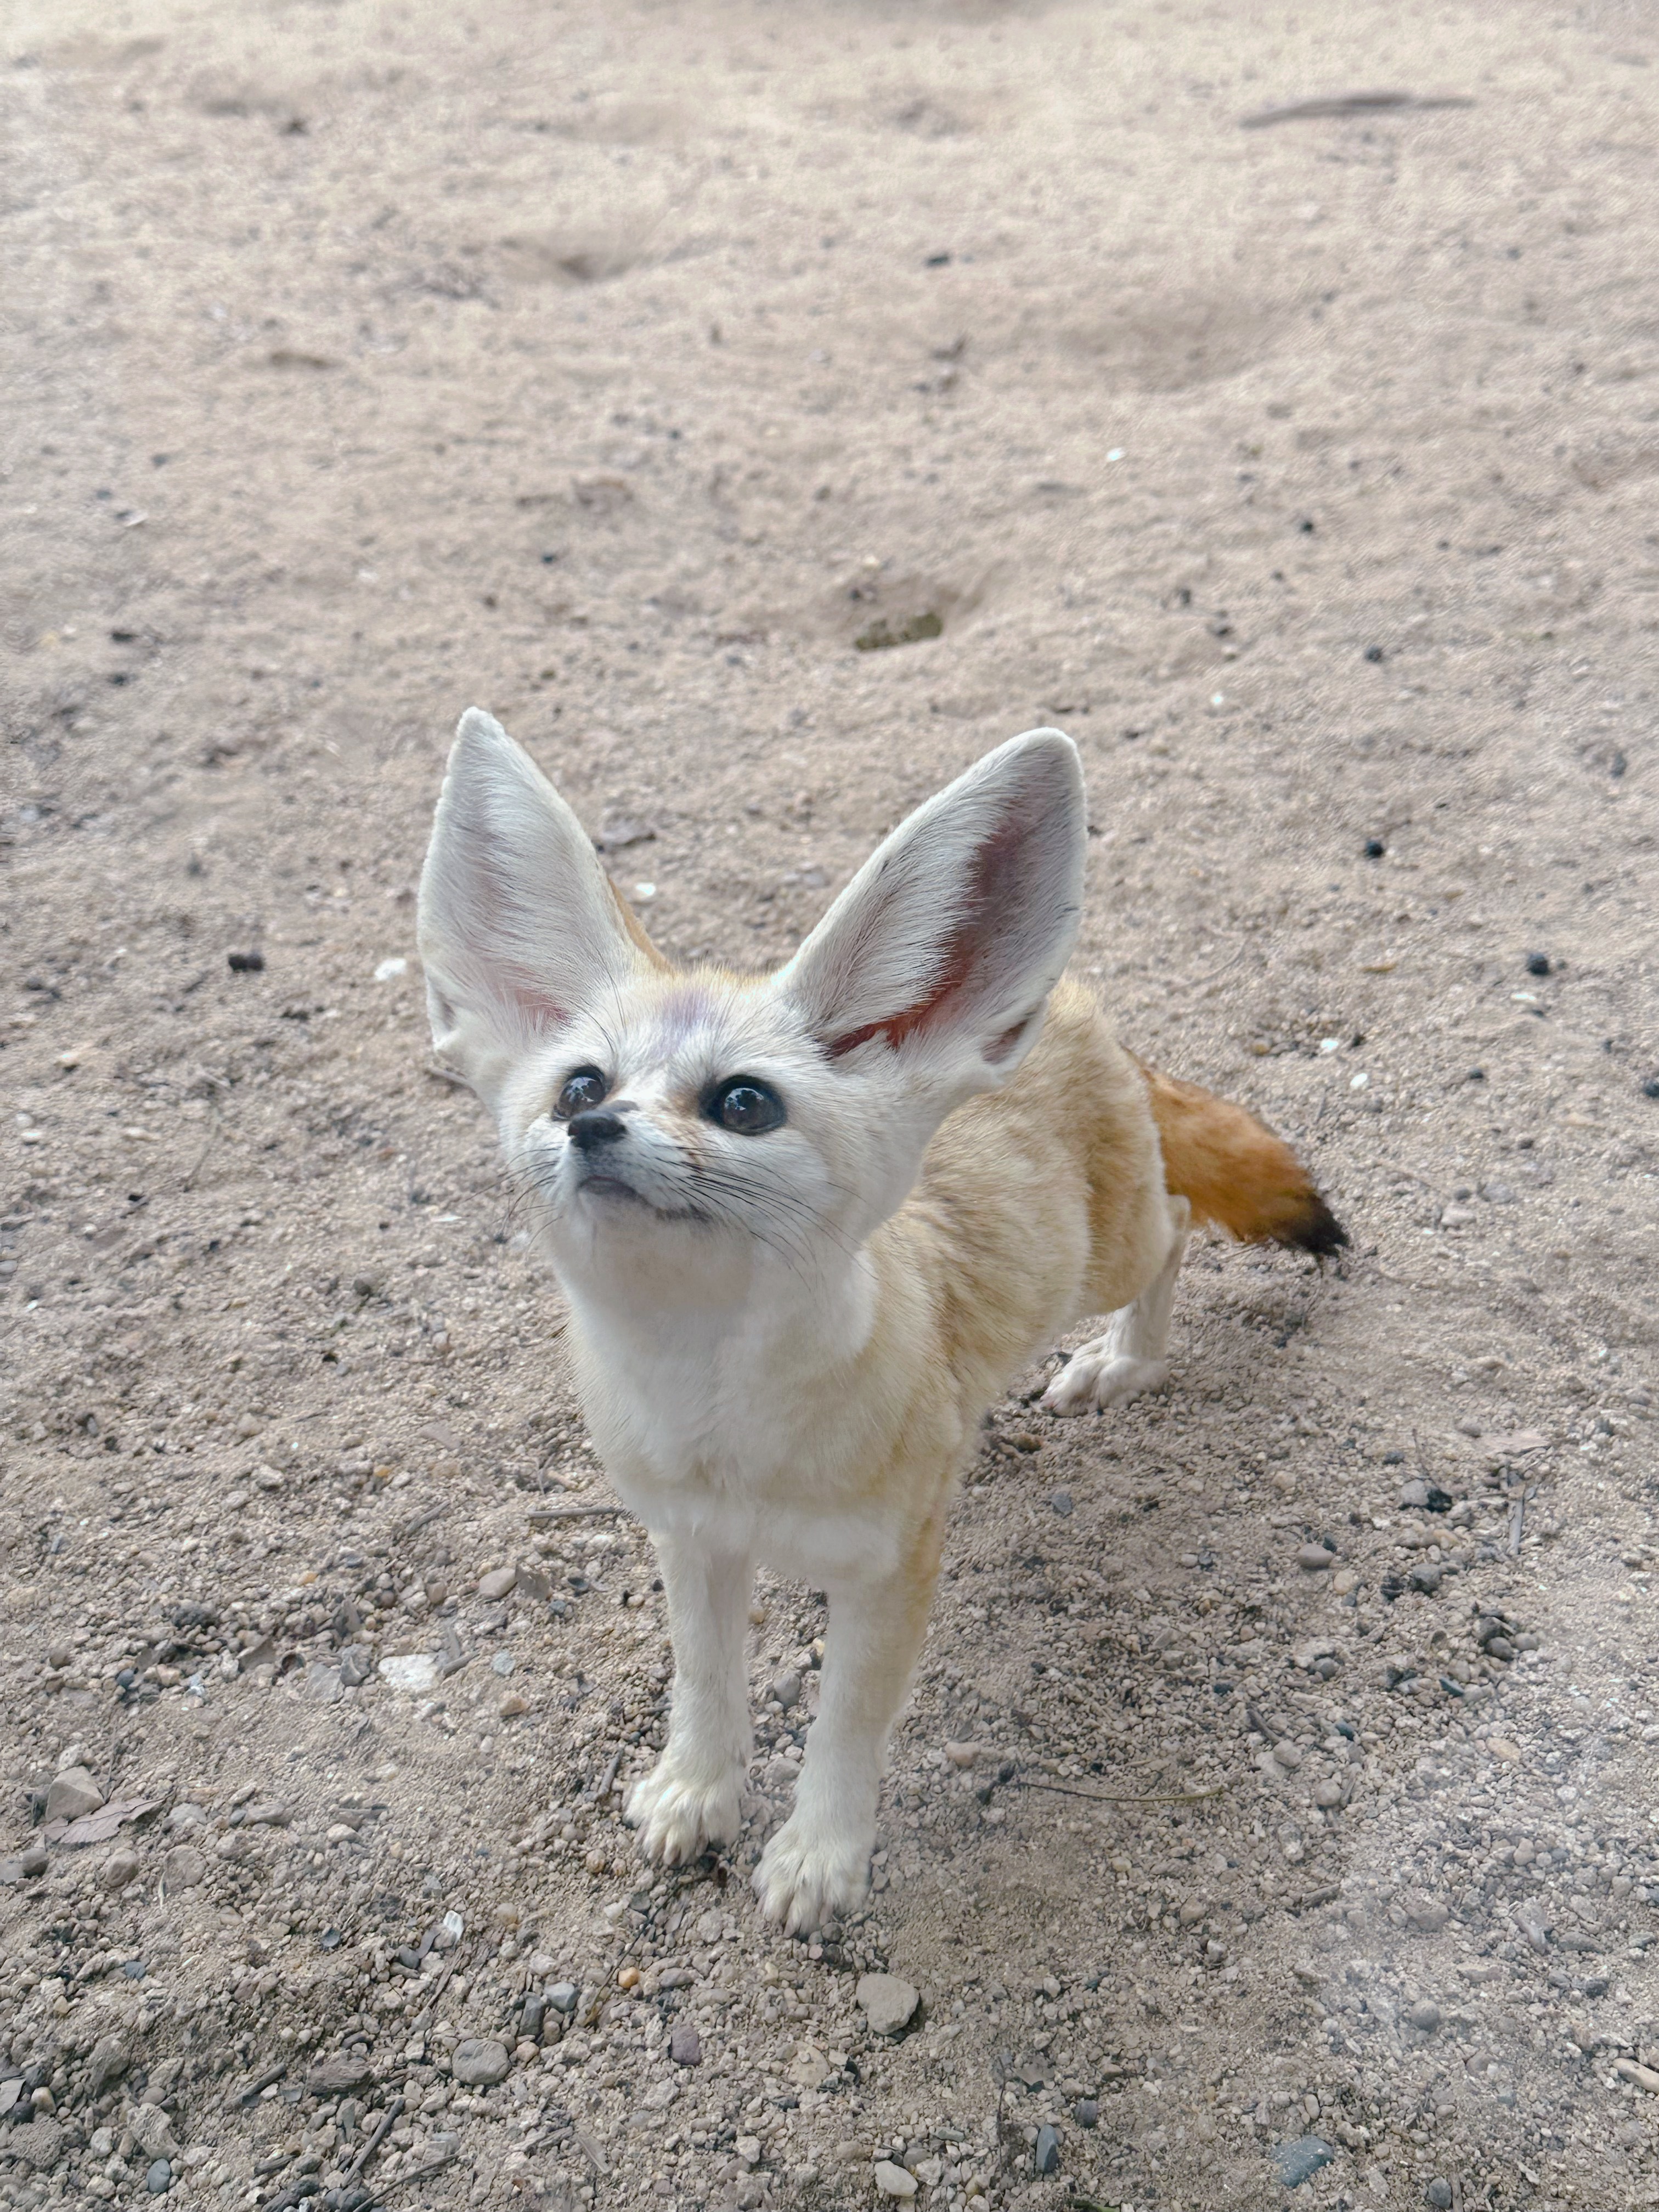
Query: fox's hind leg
{"points": [[1132, 1356]]}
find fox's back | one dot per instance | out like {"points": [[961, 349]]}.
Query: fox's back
{"points": [[1037, 1203]]}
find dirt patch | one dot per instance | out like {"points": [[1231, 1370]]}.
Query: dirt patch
{"points": [[1273, 1821]]}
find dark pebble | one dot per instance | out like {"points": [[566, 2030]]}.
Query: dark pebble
{"points": [[1061, 1504], [685, 2045], [1045, 2157], [1426, 1578], [533, 2018], [246, 963], [159, 2179], [1086, 2112], [1538, 963], [1299, 2161], [1373, 653], [1476, 1075], [1439, 2194], [1375, 848], [1650, 1088]]}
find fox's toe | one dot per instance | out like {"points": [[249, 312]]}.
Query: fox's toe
{"points": [[807, 1875]]}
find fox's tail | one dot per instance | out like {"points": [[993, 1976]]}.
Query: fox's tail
{"points": [[1235, 1172]]}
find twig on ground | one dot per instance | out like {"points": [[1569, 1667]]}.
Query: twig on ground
{"points": [[1517, 1523], [1105, 1798], [257, 2088], [1351, 103], [575, 1512]]}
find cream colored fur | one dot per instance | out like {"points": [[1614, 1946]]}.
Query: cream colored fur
{"points": [[784, 1342]]}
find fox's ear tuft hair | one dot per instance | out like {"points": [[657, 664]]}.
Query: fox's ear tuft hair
{"points": [[945, 946], [519, 925]]}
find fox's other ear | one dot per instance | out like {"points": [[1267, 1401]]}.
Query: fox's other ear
{"points": [[519, 925], [946, 943]]}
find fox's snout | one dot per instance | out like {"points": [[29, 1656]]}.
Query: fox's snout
{"points": [[599, 1127]]}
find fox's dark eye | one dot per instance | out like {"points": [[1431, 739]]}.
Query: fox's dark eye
{"points": [[586, 1087], [746, 1106]]}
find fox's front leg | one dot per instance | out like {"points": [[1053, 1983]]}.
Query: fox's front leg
{"points": [[818, 1862], [693, 1795]]}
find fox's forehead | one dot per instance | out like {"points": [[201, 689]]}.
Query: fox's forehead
{"points": [[702, 1024]]}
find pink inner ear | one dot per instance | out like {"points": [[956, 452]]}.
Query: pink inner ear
{"points": [[991, 876]]}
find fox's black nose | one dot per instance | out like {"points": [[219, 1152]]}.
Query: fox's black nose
{"points": [[598, 1126]]}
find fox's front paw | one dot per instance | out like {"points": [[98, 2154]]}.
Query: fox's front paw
{"points": [[1097, 1376], [679, 1813], [808, 1874]]}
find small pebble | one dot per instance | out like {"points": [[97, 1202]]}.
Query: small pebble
{"points": [[1328, 1793], [786, 1687], [685, 2045], [1086, 2112], [564, 1997], [73, 1793], [1314, 1558], [246, 963], [1045, 2154], [1425, 2016], [1288, 1754], [117, 1870], [497, 1584], [893, 2181], [1299, 2161], [1438, 2193], [1538, 963], [1425, 1578], [887, 2002], [184, 1867], [1061, 1503], [479, 2062], [159, 2179], [1375, 848], [962, 1754]]}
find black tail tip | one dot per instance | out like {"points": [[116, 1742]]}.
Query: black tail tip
{"points": [[1315, 1230]]}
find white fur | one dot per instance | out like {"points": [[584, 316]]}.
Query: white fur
{"points": [[719, 1284]]}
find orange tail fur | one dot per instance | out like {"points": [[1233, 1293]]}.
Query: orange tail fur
{"points": [[1235, 1172]]}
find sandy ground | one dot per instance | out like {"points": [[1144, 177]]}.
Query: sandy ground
{"points": [[621, 368]]}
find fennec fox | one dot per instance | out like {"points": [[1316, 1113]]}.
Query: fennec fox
{"points": [[809, 1224]]}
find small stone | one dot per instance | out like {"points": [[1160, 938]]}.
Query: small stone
{"points": [[1061, 1503], [563, 1998], [246, 963], [1414, 1494], [1045, 2154], [497, 1585], [685, 2045], [513, 1705], [1425, 1578], [1439, 2194], [414, 1672], [962, 1754], [1314, 1558], [892, 2180], [159, 2179], [73, 1794], [1299, 2161], [1501, 1747], [1427, 1915], [786, 1687], [1086, 2112], [153, 2132], [479, 2062], [1500, 1647], [1538, 963], [109, 2061], [1288, 1754], [117, 1870], [1328, 1793], [341, 2070], [356, 1665], [1642, 2077], [1424, 2015], [887, 2002]]}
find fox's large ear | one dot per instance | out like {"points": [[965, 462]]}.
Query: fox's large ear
{"points": [[519, 925], [947, 942]]}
